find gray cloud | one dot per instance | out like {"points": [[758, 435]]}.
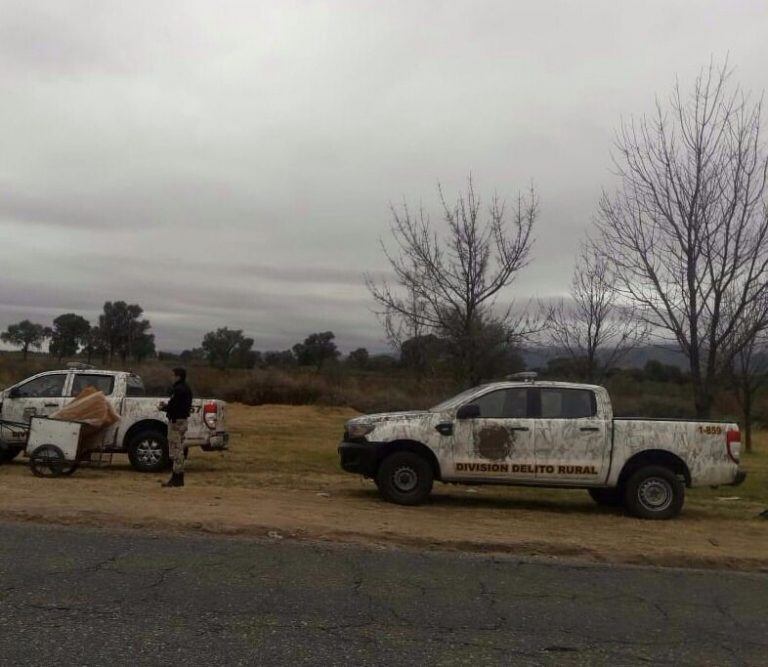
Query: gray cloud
{"points": [[232, 163]]}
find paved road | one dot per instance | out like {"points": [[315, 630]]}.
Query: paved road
{"points": [[73, 596]]}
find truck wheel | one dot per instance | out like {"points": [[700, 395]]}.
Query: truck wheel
{"points": [[654, 492], [148, 451], [404, 478], [9, 453], [607, 497]]}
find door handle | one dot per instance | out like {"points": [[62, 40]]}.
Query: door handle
{"points": [[589, 428], [518, 428], [51, 405]]}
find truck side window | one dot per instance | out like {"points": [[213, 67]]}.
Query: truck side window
{"points": [[504, 404], [557, 403], [134, 386], [48, 386], [103, 383]]}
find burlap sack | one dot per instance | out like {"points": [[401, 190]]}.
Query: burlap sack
{"points": [[89, 407]]}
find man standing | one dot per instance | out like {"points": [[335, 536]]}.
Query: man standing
{"points": [[177, 409]]}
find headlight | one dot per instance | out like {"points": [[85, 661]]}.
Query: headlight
{"points": [[359, 430]]}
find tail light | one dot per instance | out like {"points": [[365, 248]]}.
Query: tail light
{"points": [[733, 444], [211, 415]]}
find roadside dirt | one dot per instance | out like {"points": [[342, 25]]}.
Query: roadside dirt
{"points": [[281, 479]]}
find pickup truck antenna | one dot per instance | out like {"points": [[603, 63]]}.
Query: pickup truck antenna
{"points": [[525, 376]]}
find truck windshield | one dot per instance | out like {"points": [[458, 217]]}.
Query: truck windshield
{"points": [[457, 400]]}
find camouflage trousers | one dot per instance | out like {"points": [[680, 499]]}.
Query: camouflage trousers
{"points": [[176, 432]]}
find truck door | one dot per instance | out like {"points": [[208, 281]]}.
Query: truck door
{"points": [[571, 439], [499, 443], [38, 397]]}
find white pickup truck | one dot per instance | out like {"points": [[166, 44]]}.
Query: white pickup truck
{"points": [[550, 434], [142, 429]]}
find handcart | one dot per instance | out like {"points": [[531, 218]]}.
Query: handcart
{"points": [[57, 447]]}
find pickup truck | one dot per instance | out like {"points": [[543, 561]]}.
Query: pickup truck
{"points": [[142, 429], [549, 434]]}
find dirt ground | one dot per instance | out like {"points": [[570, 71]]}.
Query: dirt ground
{"points": [[281, 478]]}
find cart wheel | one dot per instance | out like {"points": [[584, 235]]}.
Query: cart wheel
{"points": [[49, 461]]}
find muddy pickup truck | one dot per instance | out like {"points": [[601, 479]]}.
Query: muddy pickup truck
{"points": [[142, 429], [549, 434]]}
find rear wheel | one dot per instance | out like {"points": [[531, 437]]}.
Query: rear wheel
{"points": [[148, 451], [607, 497], [405, 478], [654, 492]]}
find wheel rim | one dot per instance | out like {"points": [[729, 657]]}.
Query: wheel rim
{"points": [[405, 479], [149, 452], [655, 494], [48, 461]]}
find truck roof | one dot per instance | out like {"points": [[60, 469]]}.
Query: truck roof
{"points": [[505, 384]]}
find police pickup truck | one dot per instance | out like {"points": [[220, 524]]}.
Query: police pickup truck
{"points": [[142, 429], [550, 434]]}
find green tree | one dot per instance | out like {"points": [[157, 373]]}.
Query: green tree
{"points": [[144, 347], [316, 349], [93, 345], [225, 345], [26, 334], [359, 358], [70, 331], [122, 329], [280, 359]]}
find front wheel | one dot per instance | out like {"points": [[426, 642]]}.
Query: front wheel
{"points": [[405, 478], [148, 451], [654, 492]]}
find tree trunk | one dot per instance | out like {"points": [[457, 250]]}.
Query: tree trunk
{"points": [[24, 350], [747, 418], [702, 400]]}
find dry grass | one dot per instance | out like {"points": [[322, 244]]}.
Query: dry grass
{"points": [[282, 475]]}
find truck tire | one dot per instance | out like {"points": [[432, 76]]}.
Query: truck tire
{"points": [[654, 492], [404, 478], [148, 451], [9, 453], [607, 497]]}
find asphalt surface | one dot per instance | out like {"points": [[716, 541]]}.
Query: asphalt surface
{"points": [[75, 596]]}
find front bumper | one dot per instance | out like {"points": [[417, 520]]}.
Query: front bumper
{"points": [[359, 457], [741, 475], [217, 442]]}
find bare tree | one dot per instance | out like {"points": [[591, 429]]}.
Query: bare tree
{"points": [[592, 327], [687, 228], [749, 368], [448, 284]]}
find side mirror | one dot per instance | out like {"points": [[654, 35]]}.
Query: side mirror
{"points": [[14, 393], [469, 411]]}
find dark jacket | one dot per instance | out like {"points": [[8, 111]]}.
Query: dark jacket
{"points": [[180, 404]]}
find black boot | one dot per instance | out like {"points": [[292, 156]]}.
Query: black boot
{"points": [[173, 481], [180, 479]]}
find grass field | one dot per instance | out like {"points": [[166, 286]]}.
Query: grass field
{"points": [[282, 477]]}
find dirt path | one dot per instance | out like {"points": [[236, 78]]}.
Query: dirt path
{"points": [[250, 491]]}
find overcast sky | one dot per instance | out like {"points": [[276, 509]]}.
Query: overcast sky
{"points": [[231, 163]]}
